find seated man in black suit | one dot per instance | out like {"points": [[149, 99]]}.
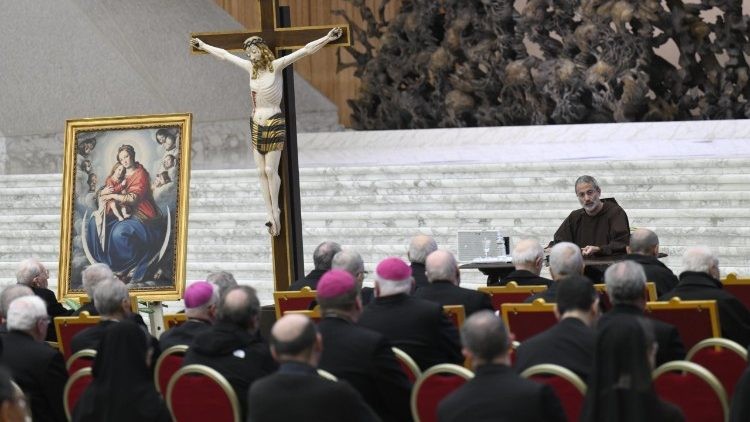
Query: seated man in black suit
{"points": [[496, 393], [444, 278], [644, 249], [417, 326], [322, 259], [36, 367], [91, 276], [700, 281], [9, 294], [201, 299], [296, 392], [570, 343], [360, 356], [626, 283], [565, 260], [351, 261], [232, 346], [34, 274], [528, 260], [420, 246]]}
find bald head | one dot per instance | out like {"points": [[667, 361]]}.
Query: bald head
{"points": [[295, 338], [485, 336], [528, 255], [644, 242], [565, 259], [10, 293], [420, 247], [441, 266], [240, 306], [324, 253]]}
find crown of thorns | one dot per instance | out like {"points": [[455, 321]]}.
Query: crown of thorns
{"points": [[254, 40]]}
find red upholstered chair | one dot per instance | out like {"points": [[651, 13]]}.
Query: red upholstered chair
{"points": [[67, 327], [695, 320], [199, 393], [569, 387], [693, 389], [168, 363], [407, 364], [526, 320], [74, 388], [738, 286], [433, 386], [510, 293], [173, 320], [79, 360], [293, 300], [724, 358]]}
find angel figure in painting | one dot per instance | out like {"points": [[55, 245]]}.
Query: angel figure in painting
{"points": [[268, 124]]}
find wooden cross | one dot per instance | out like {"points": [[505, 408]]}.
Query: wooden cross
{"points": [[288, 261]]}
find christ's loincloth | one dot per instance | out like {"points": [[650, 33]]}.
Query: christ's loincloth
{"points": [[271, 136]]}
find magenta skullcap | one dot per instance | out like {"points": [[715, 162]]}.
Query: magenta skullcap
{"points": [[198, 294], [393, 269], [335, 282]]}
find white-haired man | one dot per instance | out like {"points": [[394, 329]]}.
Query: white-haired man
{"points": [[34, 274], [565, 260], [417, 326], [9, 294], [528, 260], [644, 249], [700, 281], [351, 261], [37, 368], [420, 247], [91, 276]]}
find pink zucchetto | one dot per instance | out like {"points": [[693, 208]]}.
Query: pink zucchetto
{"points": [[334, 283], [198, 294], [393, 269]]}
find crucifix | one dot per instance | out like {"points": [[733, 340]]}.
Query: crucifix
{"points": [[273, 128]]}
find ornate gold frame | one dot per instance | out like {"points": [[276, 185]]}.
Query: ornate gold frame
{"points": [[178, 227]]}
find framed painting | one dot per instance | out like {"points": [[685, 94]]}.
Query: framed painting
{"points": [[125, 202]]}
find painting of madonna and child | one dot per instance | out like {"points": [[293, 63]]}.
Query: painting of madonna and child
{"points": [[125, 189]]}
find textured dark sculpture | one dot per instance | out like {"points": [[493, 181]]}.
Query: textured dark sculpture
{"points": [[458, 63]]}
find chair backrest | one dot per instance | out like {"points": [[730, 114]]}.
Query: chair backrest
{"points": [[526, 320], [173, 320], [410, 367], [695, 320], [569, 387], [79, 360], [510, 293], [313, 314], [74, 388], [649, 292], [327, 375], [724, 358], [199, 393], [693, 389], [293, 300], [456, 313], [67, 327], [738, 286], [433, 386], [169, 362], [133, 302]]}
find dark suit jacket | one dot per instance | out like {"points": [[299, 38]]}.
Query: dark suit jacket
{"points": [[87, 307], [734, 317], [184, 333], [54, 309], [297, 393], [40, 372], [236, 354], [524, 278], [310, 280], [667, 336], [417, 326], [656, 272], [90, 337], [419, 272], [549, 295], [364, 359], [569, 343], [447, 293], [496, 393]]}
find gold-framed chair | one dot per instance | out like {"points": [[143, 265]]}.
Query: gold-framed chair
{"points": [[649, 293], [199, 393], [724, 358], [79, 360], [433, 386], [695, 320], [456, 313], [327, 375], [67, 327], [293, 300], [408, 365], [738, 286], [169, 361], [74, 388], [173, 320], [510, 293], [569, 387], [526, 320], [693, 389]]}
